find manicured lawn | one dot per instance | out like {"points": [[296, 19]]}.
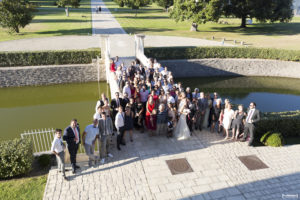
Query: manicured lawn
{"points": [[23, 188], [52, 21], [153, 20]]}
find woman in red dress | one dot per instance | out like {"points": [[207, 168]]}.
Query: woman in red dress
{"points": [[112, 66], [150, 116]]}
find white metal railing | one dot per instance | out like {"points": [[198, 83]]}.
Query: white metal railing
{"points": [[42, 140]]}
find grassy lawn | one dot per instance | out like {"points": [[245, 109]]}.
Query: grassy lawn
{"points": [[52, 21], [23, 188], [153, 20]]}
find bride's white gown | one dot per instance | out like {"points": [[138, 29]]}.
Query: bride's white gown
{"points": [[182, 130]]}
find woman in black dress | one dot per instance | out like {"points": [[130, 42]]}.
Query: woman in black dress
{"points": [[139, 114], [215, 117], [129, 122], [237, 123]]}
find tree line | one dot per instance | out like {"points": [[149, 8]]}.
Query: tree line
{"points": [[16, 14], [202, 11]]}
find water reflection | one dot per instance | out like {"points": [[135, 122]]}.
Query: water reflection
{"points": [[47, 107], [271, 94]]}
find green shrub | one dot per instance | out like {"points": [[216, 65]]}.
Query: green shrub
{"points": [[272, 139], [9, 59], [44, 160], [16, 157], [287, 123], [169, 53]]}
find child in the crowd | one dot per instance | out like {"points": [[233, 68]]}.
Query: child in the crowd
{"points": [[58, 148]]}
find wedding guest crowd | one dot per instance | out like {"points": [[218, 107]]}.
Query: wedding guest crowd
{"points": [[149, 98]]}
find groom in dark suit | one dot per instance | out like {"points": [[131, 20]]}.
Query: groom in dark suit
{"points": [[72, 137], [252, 118]]}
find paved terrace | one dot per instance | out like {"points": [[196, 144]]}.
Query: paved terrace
{"points": [[140, 171]]}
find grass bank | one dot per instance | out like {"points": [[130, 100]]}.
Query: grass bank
{"points": [[52, 21], [23, 188], [153, 20]]}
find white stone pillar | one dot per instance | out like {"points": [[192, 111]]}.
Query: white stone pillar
{"points": [[139, 44]]}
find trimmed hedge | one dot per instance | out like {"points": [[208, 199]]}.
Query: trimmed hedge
{"points": [[286, 123], [272, 139], [9, 59], [169, 53], [16, 157]]}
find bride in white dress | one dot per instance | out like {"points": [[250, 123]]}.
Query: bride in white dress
{"points": [[182, 130]]}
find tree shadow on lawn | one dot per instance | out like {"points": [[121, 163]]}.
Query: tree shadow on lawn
{"points": [[136, 30], [131, 11], [144, 17], [84, 19], [61, 20], [57, 10], [263, 29], [82, 31]]}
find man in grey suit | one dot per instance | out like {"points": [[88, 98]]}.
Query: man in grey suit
{"points": [[202, 105], [105, 126], [252, 118]]}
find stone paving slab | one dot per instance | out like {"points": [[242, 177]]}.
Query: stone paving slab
{"points": [[140, 171]]}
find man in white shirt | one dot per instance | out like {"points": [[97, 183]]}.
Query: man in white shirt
{"points": [[170, 98], [91, 132], [165, 72], [58, 148], [119, 123], [97, 115], [127, 90], [252, 118]]}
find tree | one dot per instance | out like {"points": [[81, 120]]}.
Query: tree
{"points": [[15, 14], [196, 11], [165, 3], [263, 11], [64, 3], [133, 4]]}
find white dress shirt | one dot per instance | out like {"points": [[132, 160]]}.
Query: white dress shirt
{"points": [[119, 121], [127, 89], [57, 145]]}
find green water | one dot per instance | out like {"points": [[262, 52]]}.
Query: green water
{"points": [[27, 108], [270, 94]]}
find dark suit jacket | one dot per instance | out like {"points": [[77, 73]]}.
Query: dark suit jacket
{"points": [[202, 104], [124, 103], [255, 116], [69, 136], [113, 104]]}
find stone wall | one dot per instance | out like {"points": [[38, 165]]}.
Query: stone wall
{"points": [[45, 75], [232, 67]]}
